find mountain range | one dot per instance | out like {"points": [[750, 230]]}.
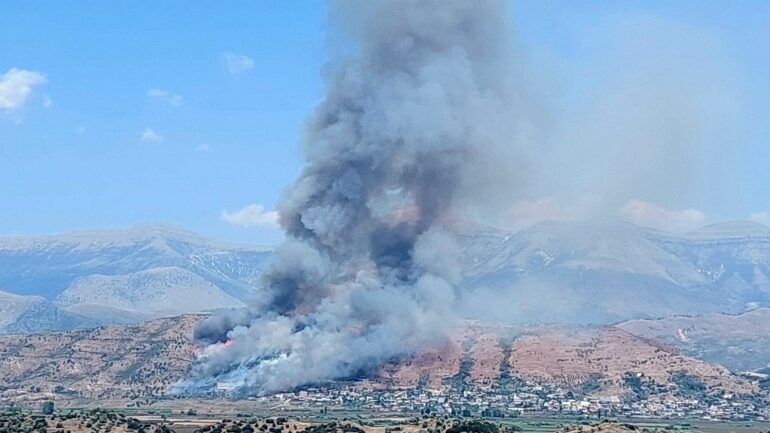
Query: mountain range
{"points": [[87, 278], [569, 272], [24, 314], [553, 272]]}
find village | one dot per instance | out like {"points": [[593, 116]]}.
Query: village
{"points": [[528, 400]]}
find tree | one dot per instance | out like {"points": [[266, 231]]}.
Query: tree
{"points": [[48, 408]]}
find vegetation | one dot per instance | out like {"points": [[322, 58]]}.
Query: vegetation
{"points": [[636, 383], [48, 408], [593, 383], [479, 426], [92, 421], [688, 384], [460, 381]]}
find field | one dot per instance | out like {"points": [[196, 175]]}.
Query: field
{"points": [[167, 420]]}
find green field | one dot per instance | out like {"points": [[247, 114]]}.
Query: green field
{"points": [[183, 420]]}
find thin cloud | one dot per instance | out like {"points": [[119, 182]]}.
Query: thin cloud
{"points": [[166, 96], [526, 212], [237, 63], [651, 215], [252, 215], [202, 148], [17, 86], [151, 135]]}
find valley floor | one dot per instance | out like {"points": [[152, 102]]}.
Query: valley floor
{"points": [[220, 418]]}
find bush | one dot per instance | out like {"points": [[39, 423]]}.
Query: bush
{"points": [[688, 383], [48, 408], [473, 426]]}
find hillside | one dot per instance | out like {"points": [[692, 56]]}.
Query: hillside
{"points": [[154, 292], [604, 272], [599, 360], [740, 342], [118, 361], [554, 272], [48, 265], [144, 360], [140, 272], [20, 314]]}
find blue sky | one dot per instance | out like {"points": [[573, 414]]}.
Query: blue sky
{"points": [[187, 113]]}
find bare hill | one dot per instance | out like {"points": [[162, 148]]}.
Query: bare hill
{"points": [[740, 342], [603, 360], [118, 361], [144, 360]]}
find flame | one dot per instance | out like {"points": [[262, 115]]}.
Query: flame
{"points": [[199, 352]]}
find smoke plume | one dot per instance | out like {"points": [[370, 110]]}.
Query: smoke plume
{"points": [[413, 120]]}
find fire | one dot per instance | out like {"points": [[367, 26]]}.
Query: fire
{"points": [[199, 352]]}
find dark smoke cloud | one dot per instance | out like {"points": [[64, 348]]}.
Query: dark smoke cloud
{"points": [[411, 122]]}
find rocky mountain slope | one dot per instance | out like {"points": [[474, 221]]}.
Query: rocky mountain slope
{"points": [[611, 271], [154, 292], [554, 272], [138, 361], [740, 342], [20, 314], [136, 273]]}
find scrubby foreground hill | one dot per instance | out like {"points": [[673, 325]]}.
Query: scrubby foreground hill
{"points": [[143, 361], [118, 361]]}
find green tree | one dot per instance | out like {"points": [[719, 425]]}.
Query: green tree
{"points": [[48, 408]]}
